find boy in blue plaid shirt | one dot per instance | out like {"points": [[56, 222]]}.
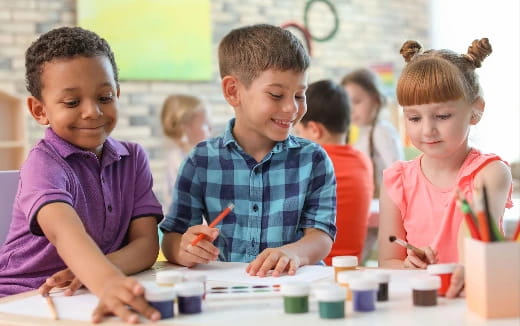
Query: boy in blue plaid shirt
{"points": [[283, 187]]}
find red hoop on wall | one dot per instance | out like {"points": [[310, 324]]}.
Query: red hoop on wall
{"points": [[304, 31]]}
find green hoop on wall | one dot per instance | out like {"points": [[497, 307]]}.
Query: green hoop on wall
{"points": [[334, 30]]}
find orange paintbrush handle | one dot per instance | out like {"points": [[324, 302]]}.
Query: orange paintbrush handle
{"points": [[219, 218]]}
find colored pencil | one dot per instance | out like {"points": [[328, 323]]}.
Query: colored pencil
{"points": [[220, 216], [419, 252], [495, 233], [470, 222], [516, 235], [483, 226], [51, 305]]}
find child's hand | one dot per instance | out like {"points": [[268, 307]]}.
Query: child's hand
{"points": [[120, 293], [204, 251], [62, 279], [276, 259], [414, 261], [457, 283]]}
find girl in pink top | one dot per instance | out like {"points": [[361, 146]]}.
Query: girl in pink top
{"points": [[441, 99]]}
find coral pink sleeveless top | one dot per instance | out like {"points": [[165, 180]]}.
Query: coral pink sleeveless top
{"points": [[430, 214]]}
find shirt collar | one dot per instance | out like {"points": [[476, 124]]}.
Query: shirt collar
{"points": [[112, 149], [289, 142]]}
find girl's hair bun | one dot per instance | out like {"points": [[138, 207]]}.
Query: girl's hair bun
{"points": [[478, 51], [410, 49]]}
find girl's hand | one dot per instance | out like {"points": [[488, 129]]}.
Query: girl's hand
{"points": [[62, 279], [457, 283], [124, 297], [204, 251], [276, 259], [414, 261]]}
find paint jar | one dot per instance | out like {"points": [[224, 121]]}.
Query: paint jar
{"points": [[295, 297], [197, 278], [424, 290], [444, 271], [363, 294], [343, 263], [331, 301], [161, 298], [344, 279], [168, 278], [189, 297], [382, 279]]}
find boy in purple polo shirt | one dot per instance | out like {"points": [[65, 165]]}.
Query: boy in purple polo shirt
{"points": [[85, 212]]}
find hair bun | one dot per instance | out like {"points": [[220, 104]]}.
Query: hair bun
{"points": [[410, 49], [478, 51]]}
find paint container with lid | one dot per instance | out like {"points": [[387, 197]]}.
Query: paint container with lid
{"points": [[424, 290], [197, 278], [343, 263], [363, 294], [382, 278], [444, 271], [168, 278], [189, 297], [295, 297], [161, 298], [331, 301], [344, 278]]}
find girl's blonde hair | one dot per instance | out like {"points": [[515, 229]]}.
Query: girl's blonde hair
{"points": [[437, 76], [178, 110]]}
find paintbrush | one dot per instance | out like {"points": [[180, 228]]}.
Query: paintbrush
{"points": [[52, 306], [419, 252]]}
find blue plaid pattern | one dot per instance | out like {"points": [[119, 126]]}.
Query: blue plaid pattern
{"points": [[292, 188]]}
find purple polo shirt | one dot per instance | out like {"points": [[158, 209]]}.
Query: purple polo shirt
{"points": [[107, 196]]}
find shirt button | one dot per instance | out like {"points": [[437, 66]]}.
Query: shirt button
{"points": [[255, 207], [102, 180], [109, 207]]}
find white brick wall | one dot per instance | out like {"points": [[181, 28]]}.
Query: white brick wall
{"points": [[370, 31]]}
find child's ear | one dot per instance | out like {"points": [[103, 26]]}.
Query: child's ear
{"points": [[316, 130], [36, 108], [477, 110], [230, 89]]}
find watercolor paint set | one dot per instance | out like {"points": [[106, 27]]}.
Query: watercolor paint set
{"points": [[242, 291]]}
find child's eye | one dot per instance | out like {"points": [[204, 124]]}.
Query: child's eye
{"points": [[106, 99], [414, 119], [71, 104], [299, 98], [444, 116], [276, 96]]}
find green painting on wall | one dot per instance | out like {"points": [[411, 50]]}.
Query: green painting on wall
{"points": [[153, 39]]}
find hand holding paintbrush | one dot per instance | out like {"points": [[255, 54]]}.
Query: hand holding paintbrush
{"points": [[417, 257]]}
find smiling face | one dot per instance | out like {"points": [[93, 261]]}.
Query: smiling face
{"points": [[439, 129], [267, 109], [79, 100]]}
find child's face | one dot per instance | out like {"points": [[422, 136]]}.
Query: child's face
{"points": [[363, 106], [273, 103], [80, 100], [198, 128], [438, 129]]}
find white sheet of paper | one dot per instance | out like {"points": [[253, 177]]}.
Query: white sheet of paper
{"points": [[236, 273]]}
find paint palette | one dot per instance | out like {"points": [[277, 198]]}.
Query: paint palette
{"points": [[242, 291]]}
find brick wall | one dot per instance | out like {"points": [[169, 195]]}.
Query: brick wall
{"points": [[370, 31]]}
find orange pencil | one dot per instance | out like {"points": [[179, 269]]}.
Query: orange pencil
{"points": [[483, 225], [219, 218]]}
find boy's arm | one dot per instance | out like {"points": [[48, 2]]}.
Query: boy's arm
{"points": [[64, 229]]}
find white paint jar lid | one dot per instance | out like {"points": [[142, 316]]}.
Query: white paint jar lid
{"points": [[158, 293], [189, 289], [166, 277], [363, 284], [426, 283], [295, 289], [344, 261], [347, 276], [436, 269], [330, 293]]}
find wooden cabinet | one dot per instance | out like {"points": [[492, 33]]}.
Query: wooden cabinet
{"points": [[12, 132]]}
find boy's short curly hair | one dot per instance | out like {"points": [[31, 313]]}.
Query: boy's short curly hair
{"points": [[63, 43], [247, 51]]}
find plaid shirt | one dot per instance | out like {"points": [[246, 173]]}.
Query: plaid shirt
{"points": [[291, 189]]}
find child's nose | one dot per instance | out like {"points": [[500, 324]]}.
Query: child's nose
{"points": [[91, 110], [291, 106]]}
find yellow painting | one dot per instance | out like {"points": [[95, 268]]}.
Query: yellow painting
{"points": [[153, 39]]}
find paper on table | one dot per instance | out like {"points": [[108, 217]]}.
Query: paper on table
{"points": [[77, 307], [236, 273]]}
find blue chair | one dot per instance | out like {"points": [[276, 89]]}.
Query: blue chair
{"points": [[8, 186]]}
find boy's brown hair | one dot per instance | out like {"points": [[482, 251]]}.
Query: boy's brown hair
{"points": [[437, 76], [247, 51]]}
